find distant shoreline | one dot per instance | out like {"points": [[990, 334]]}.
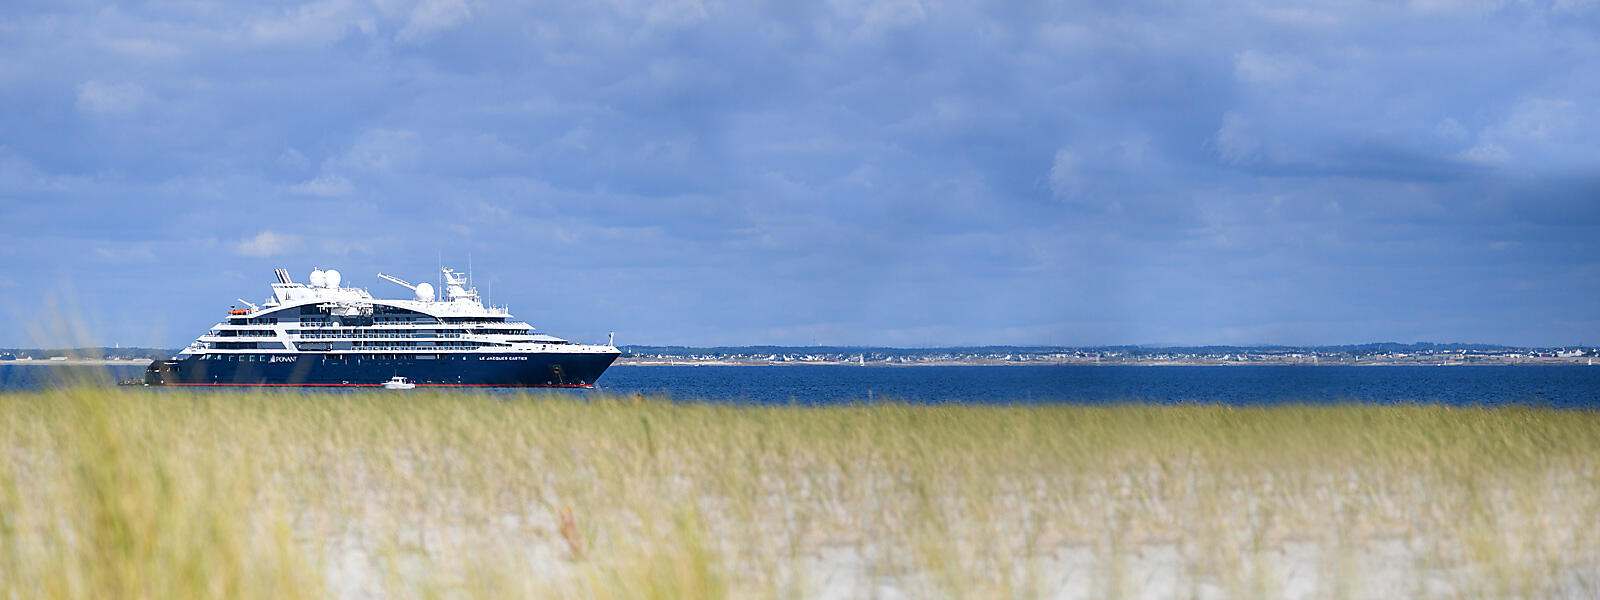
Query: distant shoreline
{"points": [[656, 362]]}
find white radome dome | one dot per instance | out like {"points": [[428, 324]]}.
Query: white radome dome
{"points": [[318, 278], [332, 277], [424, 291]]}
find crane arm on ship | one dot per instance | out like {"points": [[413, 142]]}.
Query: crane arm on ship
{"points": [[424, 290], [397, 280]]}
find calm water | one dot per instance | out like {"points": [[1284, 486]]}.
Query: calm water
{"points": [[1564, 386]]}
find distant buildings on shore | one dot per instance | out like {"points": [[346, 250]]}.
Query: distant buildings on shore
{"points": [[1141, 356], [1374, 354]]}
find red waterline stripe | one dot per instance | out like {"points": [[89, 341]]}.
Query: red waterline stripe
{"points": [[555, 385]]}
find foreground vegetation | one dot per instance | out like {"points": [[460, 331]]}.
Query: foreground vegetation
{"points": [[108, 494]]}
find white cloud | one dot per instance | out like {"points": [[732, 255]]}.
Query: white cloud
{"points": [[99, 98], [326, 186], [1486, 154], [861, 176], [315, 23], [879, 15], [1540, 133], [1456, 6], [432, 17], [1064, 179], [674, 13], [1066, 36], [1076, 170], [128, 253], [143, 49], [1235, 142], [380, 150], [293, 159], [1450, 129], [1300, 17], [266, 243], [1574, 6], [18, 174], [1254, 66], [1540, 119]]}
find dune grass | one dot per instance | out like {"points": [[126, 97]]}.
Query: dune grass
{"points": [[151, 494]]}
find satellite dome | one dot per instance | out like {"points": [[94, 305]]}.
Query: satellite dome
{"points": [[332, 278], [317, 278], [424, 291]]}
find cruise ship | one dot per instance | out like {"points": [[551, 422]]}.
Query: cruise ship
{"points": [[323, 334]]}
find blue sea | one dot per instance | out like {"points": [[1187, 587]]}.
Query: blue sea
{"points": [[1560, 386]]}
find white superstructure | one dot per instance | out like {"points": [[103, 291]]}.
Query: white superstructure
{"points": [[329, 318]]}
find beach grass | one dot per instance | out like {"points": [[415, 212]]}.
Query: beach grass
{"points": [[153, 494]]}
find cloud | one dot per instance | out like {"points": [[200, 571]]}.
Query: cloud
{"points": [[19, 175], [1236, 143], [99, 98], [380, 150], [761, 166], [1300, 17], [143, 49], [1064, 179], [1456, 6], [315, 23], [1540, 119], [128, 253], [1450, 129], [1541, 134], [674, 13], [293, 159], [1486, 154], [878, 16], [326, 186], [266, 244], [432, 17], [1254, 66]]}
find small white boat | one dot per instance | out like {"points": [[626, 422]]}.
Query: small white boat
{"points": [[398, 383]]}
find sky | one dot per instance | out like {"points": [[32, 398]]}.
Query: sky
{"points": [[898, 173]]}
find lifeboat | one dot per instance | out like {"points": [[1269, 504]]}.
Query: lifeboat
{"points": [[238, 311]]}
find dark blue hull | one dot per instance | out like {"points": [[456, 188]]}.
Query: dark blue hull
{"points": [[502, 370]]}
